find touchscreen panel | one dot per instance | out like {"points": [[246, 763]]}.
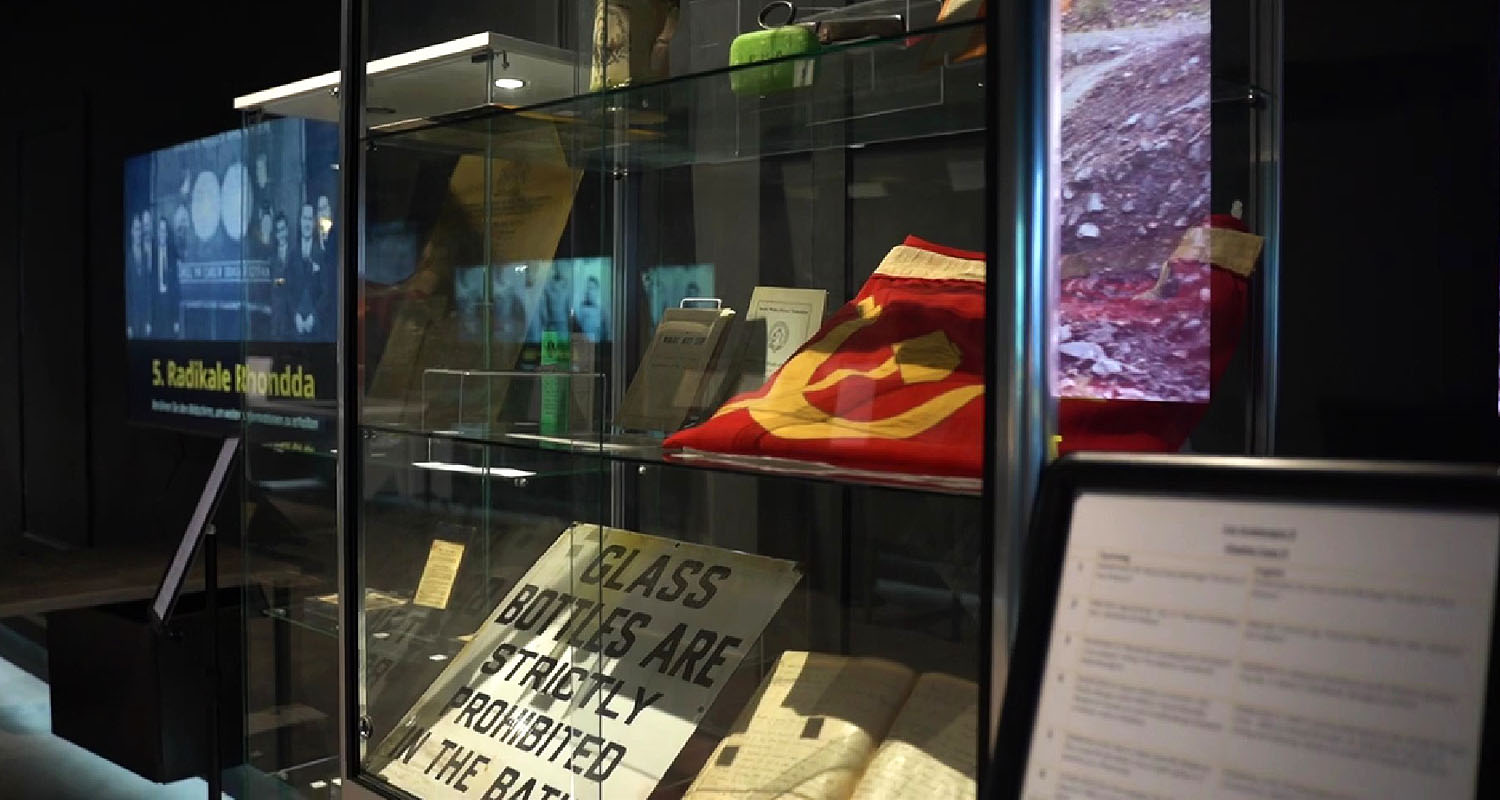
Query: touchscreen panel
{"points": [[1203, 648]]}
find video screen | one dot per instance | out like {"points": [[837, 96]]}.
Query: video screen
{"points": [[667, 286], [231, 279], [1137, 160], [570, 297]]}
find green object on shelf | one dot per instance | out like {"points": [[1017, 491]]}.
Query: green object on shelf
{"points": [[767, 45], [556, 357]]}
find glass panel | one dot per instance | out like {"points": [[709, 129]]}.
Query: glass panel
{"points": [[288, 378], [852, 95], [559, 301]]}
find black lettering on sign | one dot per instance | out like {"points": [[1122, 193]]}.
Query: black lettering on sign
{"points": [[457, 768], [687, 662], [540, 672], [621, 647], [596, 570], [517, 604], [642, 702], [649, 577], [409, 743], [665, 649], [472, 772], [564, 602], [708, 583], [522, 656], [476, 704], [486, 721], [579, 605], [571, 733], [534, 734], [447, 747], [599, 772], [706, 646], [528, 618], [614, 689], [581, 630], [582, 751], [524, 793], [606, 626], [716, 660], [688, 568], [501, 787], [600, 679], [613, 581], [460, 696], [497, 659]]}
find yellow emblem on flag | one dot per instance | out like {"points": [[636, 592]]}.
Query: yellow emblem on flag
{"points": [[784, 410]]}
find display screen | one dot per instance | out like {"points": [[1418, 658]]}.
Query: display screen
{"points": [[231, 277], [1136, 176], [1202, 648], [667, 286], [566, 297]]}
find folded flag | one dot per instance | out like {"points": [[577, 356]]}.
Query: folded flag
{"points": [[894, 380]]}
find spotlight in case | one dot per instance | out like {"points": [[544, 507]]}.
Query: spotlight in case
{"points": [[510, 83]]}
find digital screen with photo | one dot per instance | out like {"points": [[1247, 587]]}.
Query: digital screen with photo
{"points": [[231, 278], [667, 286], [1211, 648], [567, 297], [1136, 176]]}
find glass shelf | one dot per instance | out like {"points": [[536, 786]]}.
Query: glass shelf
{"points": [[327, 628], [578, 455], [857, 94]]}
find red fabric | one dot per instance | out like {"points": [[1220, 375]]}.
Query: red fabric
{"points": [[856, 421], [1148, 426], [943, 250], [917, 307]]}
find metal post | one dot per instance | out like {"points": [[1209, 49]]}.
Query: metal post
{"points": [[1020, 76], [1266, 76], [351, 207], [211, 588]]}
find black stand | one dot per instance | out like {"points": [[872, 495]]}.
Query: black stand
{"points": [[201, 530], [211, 587]]}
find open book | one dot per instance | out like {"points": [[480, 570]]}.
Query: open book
{"points": [[828, 727]]}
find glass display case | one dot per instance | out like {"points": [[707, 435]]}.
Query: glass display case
{"points": [[698, 361]]}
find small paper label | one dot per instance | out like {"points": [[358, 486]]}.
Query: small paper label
{"points": [[1228, 249], [439, 574]]}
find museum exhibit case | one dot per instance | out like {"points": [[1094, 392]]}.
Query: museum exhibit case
{"points": [[697, 362]]}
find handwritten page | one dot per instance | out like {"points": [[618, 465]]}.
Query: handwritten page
{"points": [[809, 730], [931, 750]]}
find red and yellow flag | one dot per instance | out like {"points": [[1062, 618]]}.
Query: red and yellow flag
{"points": [[893, 381]]}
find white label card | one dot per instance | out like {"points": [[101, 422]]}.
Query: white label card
{"points": [[591, 674], [1203, 648]]}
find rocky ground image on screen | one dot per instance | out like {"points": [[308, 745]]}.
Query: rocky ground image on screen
{"points": [[1136, 174]]}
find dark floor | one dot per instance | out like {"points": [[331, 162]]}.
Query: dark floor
{"points": [[35, 765]]}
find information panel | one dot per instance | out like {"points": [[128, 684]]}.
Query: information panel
{"points": [[1203, 648]]}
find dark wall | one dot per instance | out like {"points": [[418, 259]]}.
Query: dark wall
{"points": [[84, 88], [1390, 250]]}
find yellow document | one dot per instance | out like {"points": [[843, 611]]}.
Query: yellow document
{"points": [[439, 575]]}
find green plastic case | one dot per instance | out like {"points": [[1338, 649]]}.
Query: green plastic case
{"points": [[788, 40]]}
